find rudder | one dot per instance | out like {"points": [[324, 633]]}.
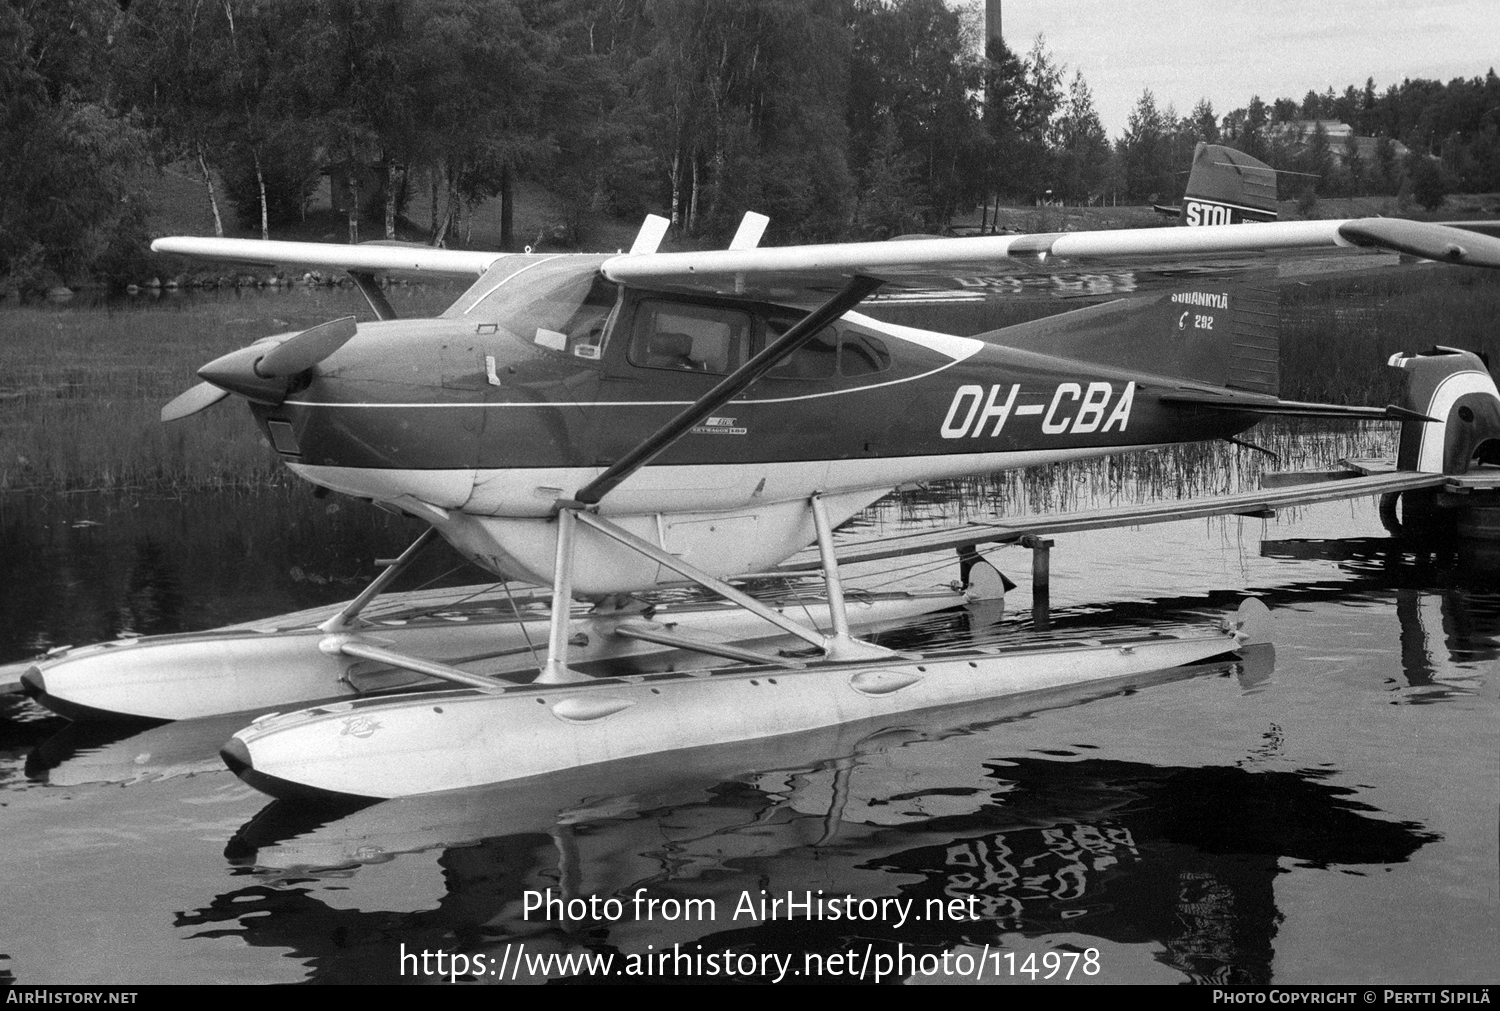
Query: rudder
{"points": [[1226, 187]]}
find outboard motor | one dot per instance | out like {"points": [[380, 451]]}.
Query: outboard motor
{"points": [[1455, 389]]}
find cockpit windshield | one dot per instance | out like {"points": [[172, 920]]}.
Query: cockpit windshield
{"points": [[561, 303]]}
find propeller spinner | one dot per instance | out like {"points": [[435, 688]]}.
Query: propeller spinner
{"points": [[260, 375]]}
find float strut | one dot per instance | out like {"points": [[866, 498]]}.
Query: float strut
{"points": [[841, 645], [340, 622], [835, 586], [556, 671], [350, 646], [700, 577]]}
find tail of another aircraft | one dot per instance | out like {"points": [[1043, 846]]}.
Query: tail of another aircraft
{"points": [[1456, 390], [1226, 187]]}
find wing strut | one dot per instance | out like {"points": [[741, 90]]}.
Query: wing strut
{"points": [[850, 295], [370, 288]]}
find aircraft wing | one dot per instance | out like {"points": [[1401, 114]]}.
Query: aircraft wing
{"points": [[1097, 262], [367, 257], [1135, 259]]}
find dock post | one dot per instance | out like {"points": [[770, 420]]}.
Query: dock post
{"points": [[1041, 580]]}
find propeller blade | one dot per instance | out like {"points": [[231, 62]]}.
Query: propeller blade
{"points": [[192, 401], [306, 349]]}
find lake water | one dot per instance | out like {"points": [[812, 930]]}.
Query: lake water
{"points": [[1326, 814]]}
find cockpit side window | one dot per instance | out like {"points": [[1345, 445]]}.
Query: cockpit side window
{"points": [[560, 304], [584, 332], [571, 319], [695, 338]]}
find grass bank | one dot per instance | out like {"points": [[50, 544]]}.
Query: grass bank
{"points": [[81, 387], [80, 393]]}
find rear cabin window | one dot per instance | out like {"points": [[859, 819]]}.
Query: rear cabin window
{"points": [[861, 354], [839, 349], [691, 338], [817, 359]]}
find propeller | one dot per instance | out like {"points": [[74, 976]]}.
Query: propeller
{"points": [[306, 349], [192, 401], [262, 375]]}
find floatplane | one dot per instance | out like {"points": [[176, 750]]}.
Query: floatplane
{"points": [[601, 427]]}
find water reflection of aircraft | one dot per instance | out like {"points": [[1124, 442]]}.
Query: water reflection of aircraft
{"points": [[612, 424], [1444, 600], [1183, 857], [93, 752]]}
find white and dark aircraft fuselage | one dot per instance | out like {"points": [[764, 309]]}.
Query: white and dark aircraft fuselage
{"points": [[545, 373]]}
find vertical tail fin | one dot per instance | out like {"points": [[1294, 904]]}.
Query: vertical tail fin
{"points": [[1226, 187], [1454, 388]]}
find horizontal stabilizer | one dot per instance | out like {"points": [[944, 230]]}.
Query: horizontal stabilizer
{"points": [[1012, 529], [1230, 401]]}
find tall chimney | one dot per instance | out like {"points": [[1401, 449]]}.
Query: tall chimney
{"points": [[991, 21]]}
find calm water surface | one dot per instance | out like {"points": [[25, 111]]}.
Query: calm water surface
{"points": [[1325, 814]]}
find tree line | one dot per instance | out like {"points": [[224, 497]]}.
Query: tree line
{"points": [[838, 118], [1451, 133]]}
